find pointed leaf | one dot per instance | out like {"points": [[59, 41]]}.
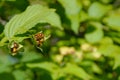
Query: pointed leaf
{"points": [[95, 36], [113, 21], [72, 10], [34, 14], [44, 65], [76, 71], [98, 10], [117, 61]]}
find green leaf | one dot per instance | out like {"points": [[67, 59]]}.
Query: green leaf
{"points": [[95, 36], [76, 71], [70, 68], [117, 61], [113, 21], [98, 10], [22, 75], [112, 51], [49, 66], [72, 10], [96, 68], [19, 75], [30, 56], [5, 63], [106, 41], [53, 19], [83, 16], [44, 65], [34, 14], [75, 22], [109, 50]]}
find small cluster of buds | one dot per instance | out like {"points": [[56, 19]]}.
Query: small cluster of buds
{"points": [[15, 47], [39, 39]]}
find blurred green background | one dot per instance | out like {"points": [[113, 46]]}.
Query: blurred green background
{"points": [[87, 49]]}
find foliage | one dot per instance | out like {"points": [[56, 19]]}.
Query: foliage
{"points": [[59, 40]]}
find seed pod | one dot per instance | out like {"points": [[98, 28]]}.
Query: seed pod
{"points": [[14, 51], [15, 47], [39, 36], [39, 39]]}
